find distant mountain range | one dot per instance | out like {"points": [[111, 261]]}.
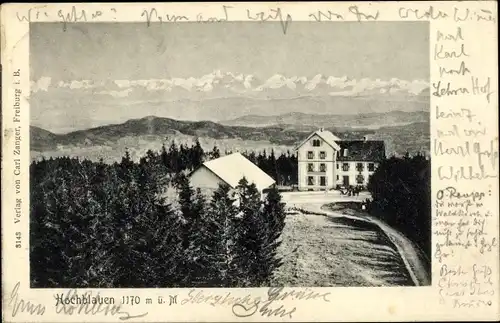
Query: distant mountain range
{"points": [[226, 84], [410, 131], [70, 105], [304, 121]]}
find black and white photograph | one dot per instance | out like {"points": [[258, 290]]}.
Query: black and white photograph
{"points": [[230, 155]]}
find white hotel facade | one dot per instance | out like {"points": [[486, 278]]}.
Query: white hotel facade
{"points": [[326, 162]]}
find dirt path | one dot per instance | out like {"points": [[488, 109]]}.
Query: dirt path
{"points": [[408, 252], [405, 247], [411, 256], [320, 250]]}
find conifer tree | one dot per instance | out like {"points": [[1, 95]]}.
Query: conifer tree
{"points": [[126, 210], [252, 157], [70, 195], [194, 232], [273, 167], [164, 156], [86, 205], [102, 191], [158, 244], [173, 158], [47, 238], [251, 238], [222, 224], [274, 215], [215, 153], [197, 155], [201, 249], [127, 160]]}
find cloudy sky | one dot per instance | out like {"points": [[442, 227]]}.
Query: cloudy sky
{"points": [[93, 74]]}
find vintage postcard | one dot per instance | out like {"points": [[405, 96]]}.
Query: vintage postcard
{"points": [[221, 162]]}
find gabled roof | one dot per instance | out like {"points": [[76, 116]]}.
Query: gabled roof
{"points": [[232, 168], [326, 135], [361, 150]]}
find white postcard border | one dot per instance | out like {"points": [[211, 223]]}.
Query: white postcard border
{"points": [[345, 304]]}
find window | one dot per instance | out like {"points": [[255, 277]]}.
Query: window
{"points": [[338, 177], [322, 155], [310, 154], [322, 181], [345, 167], [359, 167], [316, 143], [371, 167], [322, 167], [360, 179], [310, 167], [310, 180]]}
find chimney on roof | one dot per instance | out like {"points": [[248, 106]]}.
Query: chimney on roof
{"points": [[365, 138], [321, 129]]}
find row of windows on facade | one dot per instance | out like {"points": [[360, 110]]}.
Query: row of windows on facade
{"points": [[310, 155], [360, 179], [345, 167], [322, 154], [316, 142]]}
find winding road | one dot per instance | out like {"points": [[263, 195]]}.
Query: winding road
{"points": [[411, 255]]}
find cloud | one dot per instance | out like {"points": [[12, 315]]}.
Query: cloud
{"points": [[226, 84], [117, 94], [278, 81], [315, 81], [41, 85], [83, 84]]}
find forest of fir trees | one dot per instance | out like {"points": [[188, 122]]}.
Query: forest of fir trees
{"points": [[100, 225]]}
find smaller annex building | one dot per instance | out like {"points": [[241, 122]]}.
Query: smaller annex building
{"points": [[229, 169]]}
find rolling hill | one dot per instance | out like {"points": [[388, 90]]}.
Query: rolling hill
{"points": [[151, 132], [154, 126], [109, 110]]}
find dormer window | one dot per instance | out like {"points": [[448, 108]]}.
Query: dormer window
{"points": [[316, 142]]}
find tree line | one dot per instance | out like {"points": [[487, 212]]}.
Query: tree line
{"points": [[110, 226], [401, 196], [176, 158]]}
